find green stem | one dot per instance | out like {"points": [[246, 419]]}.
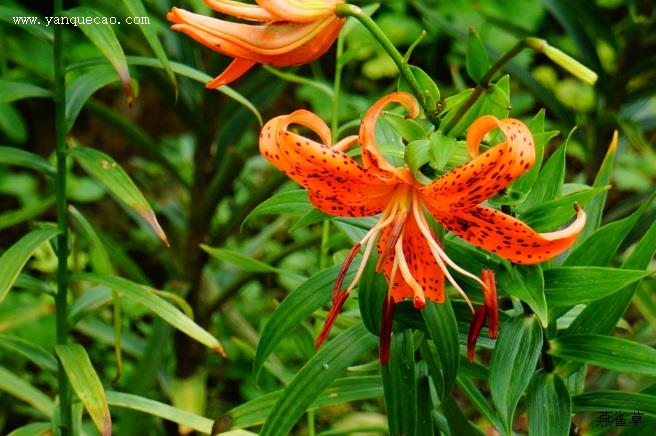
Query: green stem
{"points": [[337, 85], [485, 81], [347, 10], [62, 218]]}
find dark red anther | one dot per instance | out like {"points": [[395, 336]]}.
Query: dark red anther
{"points": [[386, 329], [477, 321], [342, 272], [338, 303], [490, 293]]}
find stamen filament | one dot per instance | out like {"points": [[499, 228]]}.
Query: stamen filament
{"points": [[439, 255], [417, 290]]}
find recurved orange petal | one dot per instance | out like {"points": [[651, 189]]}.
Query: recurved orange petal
{"points": [[488, 173], [337, 184], [372, 158], [299, 11], [235, 70], [508, 237], [242, 10], [420, 261]]}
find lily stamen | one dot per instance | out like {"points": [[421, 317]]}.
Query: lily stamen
{"points": [[419, 300]]}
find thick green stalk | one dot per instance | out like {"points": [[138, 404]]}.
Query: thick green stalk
{"points": [[347, 10], [62, 220], [483, 84]]}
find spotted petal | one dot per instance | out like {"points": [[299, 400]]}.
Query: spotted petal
{"points": [[421, 264], [337, 184], [488, 173], [508, 237]]}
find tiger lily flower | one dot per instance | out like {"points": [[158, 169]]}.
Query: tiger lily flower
{"points": [[289, 32], [411, 257]]}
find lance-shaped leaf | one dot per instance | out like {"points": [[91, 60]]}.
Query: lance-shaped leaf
{"points": [[317, 374], [614, 401], [34, 429], [101, 34], [137, 9], [478, 62], [19, 388], [84, 86], [571, 285], [104, 168], [549, 406], [33, 352], [14, 259], [150, 300], [513, 363], [12, 91], [291, 202], [164, 411], [400, 384], [527, 284], [297, 306], [86, 384], [25, 159], [608, 352], [443, 330]]}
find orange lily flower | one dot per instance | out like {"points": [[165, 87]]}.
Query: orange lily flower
{"points": [[411, 257], [290, 32]]}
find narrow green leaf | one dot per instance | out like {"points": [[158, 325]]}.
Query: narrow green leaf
{"points": [[8, 14], [400, 385], [118, 182], [479, 401], [608, 352], [549, 406], [137, 9], [86, 384], [15, 257], [33, 352], [549, 181], [600, 247], [614, 401], [297, 306], [424, 401], [102, 36], [164, 411], [443, 330], [144, 296], [25, 159], [315, 376], [409, 129], [25, 213], [477, 62], [291, 202], [527, 284], [342, 390], [198, 76], [82, 87], [571, 285], [245, 262], [442, 148], [554, 213], [34, 429], [12, 91], [513, 363], [372, 291], [24, 391], [602, 316], [595, 207], [519, 188], [458, 422]]}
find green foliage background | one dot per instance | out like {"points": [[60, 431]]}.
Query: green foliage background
{"points": [[253, 263]]}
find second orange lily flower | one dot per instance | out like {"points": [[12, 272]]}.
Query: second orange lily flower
{"points": [[411, 257], [289, 32]]}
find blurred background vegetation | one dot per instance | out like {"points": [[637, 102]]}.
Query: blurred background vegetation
{"points": [[193, 152]]}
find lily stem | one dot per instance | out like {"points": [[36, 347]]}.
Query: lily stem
{"points": [[347, 10], [534, 43], [62, 218]]}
